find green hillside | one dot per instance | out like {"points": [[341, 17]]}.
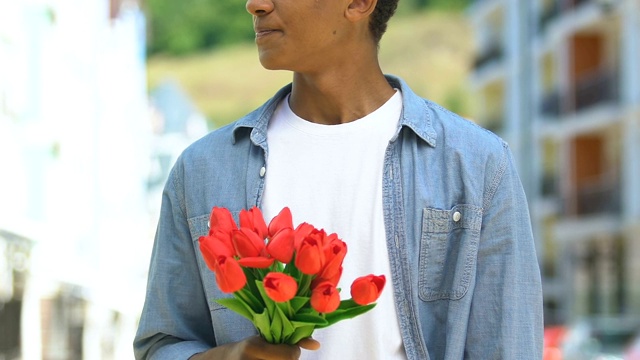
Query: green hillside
{"points": [[431, 51]]}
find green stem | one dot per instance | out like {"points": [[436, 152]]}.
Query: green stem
{"points": [[290, 310], [305, 284]]}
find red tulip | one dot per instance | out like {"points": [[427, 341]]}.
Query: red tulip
{"points": [[247, 243], [252, 219], [221, 219], [281, 235], [229, 274], [282, 221], [334, 254], [325, 297], [219, 258], [310, 257], [301, 232], [367, 289], [280, 287], [280, 245], [335, 279], [211, 247], [224, 237]]}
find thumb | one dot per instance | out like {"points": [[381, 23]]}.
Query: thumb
{"points": [[309, 344]]}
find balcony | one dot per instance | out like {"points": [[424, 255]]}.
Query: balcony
{"points": [[549, 185], [493, 53], [551, 104], [595, 199], [559, 8], [548, 15], [577, 3], [599, 88]]}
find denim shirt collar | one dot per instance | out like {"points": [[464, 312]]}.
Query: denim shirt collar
{"points": [[415, 115]]}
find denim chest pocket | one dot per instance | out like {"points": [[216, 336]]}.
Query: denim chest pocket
{"points": [[448, 250], [199, 226]]}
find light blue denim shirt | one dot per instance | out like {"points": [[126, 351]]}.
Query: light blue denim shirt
{"points": [[463, 261]]}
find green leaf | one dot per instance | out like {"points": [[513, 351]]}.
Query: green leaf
{"points": [[276, 327], [250, 299], [287, 326], [348, 304], [262, 322], [270, 304], [301, 332], [237, 306], [292, 270], [298, 302], [350, 310], [303, 319]]}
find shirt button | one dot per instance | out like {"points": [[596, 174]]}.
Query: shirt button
{"points": [[263, 170], [457, 216]]}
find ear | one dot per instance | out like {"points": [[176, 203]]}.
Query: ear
{"points": [[360, 9]]}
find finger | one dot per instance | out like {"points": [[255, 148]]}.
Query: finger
{"points": [[309, 344], [258, 348]]}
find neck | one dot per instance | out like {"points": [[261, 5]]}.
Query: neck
{"points": [[338, 96]]}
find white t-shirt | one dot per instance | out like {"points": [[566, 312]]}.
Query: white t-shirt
{"points": [[331, 177]]}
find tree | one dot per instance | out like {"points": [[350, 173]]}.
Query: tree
{"points": [[181, 27]]}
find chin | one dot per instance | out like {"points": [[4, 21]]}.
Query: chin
{"points": [[272, 65], [270, 61]]}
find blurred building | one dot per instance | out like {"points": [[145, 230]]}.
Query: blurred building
{"points": [[176, 123], [560, 81], [75, 140], [14, 255]]}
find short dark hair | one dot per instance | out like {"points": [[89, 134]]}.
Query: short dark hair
{"points": [[383, 12]]}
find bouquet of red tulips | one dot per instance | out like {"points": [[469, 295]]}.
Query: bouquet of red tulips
{"points": [[284, 280]]}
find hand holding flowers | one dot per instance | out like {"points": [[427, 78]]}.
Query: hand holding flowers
{"points": [[284, 280]]}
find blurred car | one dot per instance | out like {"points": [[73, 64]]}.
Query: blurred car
{"points": [[633, 350], [599, 338]]}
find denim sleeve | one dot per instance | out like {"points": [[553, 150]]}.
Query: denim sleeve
{"points": [[506, 312], [175, 322]]}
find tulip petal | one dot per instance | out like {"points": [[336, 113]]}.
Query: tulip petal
{"points": [[252, 219], [221, 220], [229, 275], [247, 243], [283, 220], [302, 231], [281, 245], [309, 259], [256, 262], [335, 253], [211, 247], [335, 279]]}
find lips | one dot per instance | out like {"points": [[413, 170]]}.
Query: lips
{"points": [[265, 36], [263, 30], [263, 33]]}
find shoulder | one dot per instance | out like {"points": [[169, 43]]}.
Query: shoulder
{"points": [[456, 132], [443, 129], [209, 145], [208, 155]]}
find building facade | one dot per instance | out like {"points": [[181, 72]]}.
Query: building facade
{"points": [[75, 139], [560, 81]]}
